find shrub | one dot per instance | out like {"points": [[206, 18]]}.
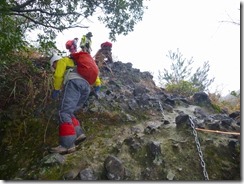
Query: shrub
{"points": [[183, 88]]}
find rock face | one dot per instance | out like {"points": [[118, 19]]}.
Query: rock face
{"points": [[137, 131]]}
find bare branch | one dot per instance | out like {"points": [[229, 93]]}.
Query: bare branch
{"points": [[236, 23], [45, 12], [20, 6], [232, 21], [49, 26]]}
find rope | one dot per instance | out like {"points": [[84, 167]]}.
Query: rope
{"points": [[219, 132]]}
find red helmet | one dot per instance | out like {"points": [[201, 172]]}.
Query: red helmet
{"points": [[106, 44]]}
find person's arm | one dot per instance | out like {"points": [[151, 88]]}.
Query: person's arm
{"points": [[83, 41], [59, 74]]}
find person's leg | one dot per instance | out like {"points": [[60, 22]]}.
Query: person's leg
{"points": [[84, 89], [80, 135], [67, 133]]}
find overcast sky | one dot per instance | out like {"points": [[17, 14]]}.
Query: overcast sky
{"points": [[193, 26]]}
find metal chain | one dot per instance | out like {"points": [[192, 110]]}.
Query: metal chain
{"points": [[199, 149], [197, 143], [161, 108]]}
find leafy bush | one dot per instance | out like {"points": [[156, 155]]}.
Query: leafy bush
{"points": [[23, 83], [181, 74], [183, 88], [11, 36], [228, 105]]}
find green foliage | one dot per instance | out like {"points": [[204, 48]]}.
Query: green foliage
{"points": [[234, 93], [183, 88], [217, 108], [229, 104], [11, 36], [121, 16], [50, 17], [180, 68], [21, 82], [200, 77], [181, 74], [46, 42]]}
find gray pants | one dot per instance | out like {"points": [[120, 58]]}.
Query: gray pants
{"points": [[76, 92]]}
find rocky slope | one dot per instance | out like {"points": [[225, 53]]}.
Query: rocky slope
{"points": [[135, 131]]}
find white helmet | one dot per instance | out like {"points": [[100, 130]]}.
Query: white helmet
{"points": [[55, 57]]}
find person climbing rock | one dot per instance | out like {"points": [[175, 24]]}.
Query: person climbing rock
{"points": [[71, 45], [103, 57], [76, 91], [86, 42]]}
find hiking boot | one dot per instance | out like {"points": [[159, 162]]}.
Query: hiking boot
{"points": [[80, 139], [62, 150]]}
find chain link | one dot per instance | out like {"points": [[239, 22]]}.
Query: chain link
{"points": [[161, 108], [199, 149], [197, 143]]}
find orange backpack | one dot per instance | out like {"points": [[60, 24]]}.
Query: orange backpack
{"points": [[68, 44], [86, 66]]}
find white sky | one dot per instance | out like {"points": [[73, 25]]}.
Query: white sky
{"points": [[193, 26]]}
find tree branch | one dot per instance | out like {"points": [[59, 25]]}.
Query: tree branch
{"points": [[20, 6], [48, 26], [44, 12], [233, 22]]}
